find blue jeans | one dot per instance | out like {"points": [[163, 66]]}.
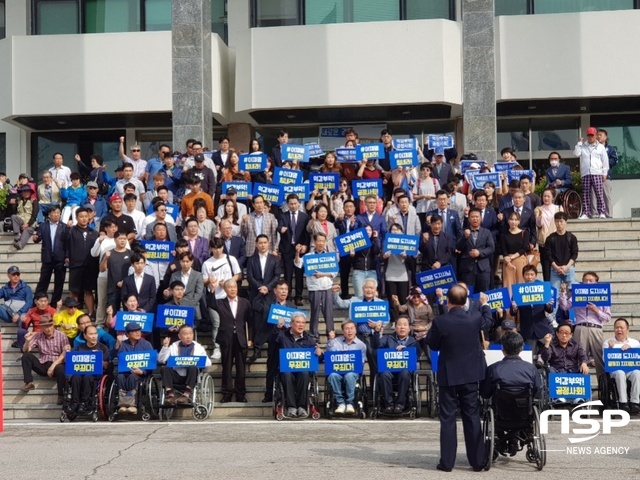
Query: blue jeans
{"points": [[350, 380], [5, 315], [556, 280], [359, 276]]}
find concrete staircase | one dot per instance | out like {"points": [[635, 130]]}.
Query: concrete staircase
{"points": [[609, 247]]}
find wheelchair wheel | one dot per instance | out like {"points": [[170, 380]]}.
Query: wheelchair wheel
{"points": [[413, 413], [416, 393], [112, 402], [328, 400], [94, 416], [164, 413], [152, 395], [572, 204], [205, 394], [488, 436], [103, 396], [200, 412], [364, 397], [63, 417], [539, 442]]}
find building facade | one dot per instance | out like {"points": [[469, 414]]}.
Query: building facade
{"points": [[78, 74]]}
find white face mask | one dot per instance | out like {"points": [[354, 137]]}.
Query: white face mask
{"points": [[554, 163]]}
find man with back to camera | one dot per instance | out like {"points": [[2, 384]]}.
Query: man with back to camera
{"points": [[461, 365]]}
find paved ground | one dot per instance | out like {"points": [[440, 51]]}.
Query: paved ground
{"points": [[347, 449]]}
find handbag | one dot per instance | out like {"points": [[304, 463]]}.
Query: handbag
{"points": [[533, 258]]}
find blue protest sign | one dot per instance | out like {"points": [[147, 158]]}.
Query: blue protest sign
{"points": [[518, 174], [158, 251], [440, 141], [298, 360], [392, 360], [348, 361], [466, 164], [346, 155], [618, 359], [287, 176], [504, 166], [554, 294], [597, 293], [276, 312], [321, 262], [144, 319], [498, 298], [369, 151], [294, 153], [398, 243], [169, 316], [301, 190], [324, 181], [243, 189], [536, 293], [314, 150], [430, 280], [355, 240], [478, 179], [172, 210], [253, 162], [403, 158], [572, 316], [270, 193], [405, 144], [83, 363], [185, 361], [362, 312], [569, 385], [364, 188], [142, 360]]}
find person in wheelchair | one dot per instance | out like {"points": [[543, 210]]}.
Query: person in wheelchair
{"points": [[295, 385], [629, 401], [399, 340], [83, 387], [344, 386], [558, 174], [187, 377], [128, 382], [511, 374]]}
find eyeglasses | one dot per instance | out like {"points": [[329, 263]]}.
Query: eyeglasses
{"points": [[135, 149], [563, 333], [93, 188]]}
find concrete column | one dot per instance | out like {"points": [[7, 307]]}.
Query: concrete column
{"points": [[240, 134], [191, 71], [479, 79]]}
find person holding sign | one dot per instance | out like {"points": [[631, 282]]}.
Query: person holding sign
{"points": [[294, 237], [128, 382], [589, 322], [344, 386], [320, 223], [399, 340], [188, 376], [295, 385], [396, 270], [345, 224], [621, 341], [192, 280], [83, 387], [230, 173], [424, 191]]}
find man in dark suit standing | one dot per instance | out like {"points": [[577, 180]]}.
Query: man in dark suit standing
{"points": [[450, 218], [276, 152], [233, 245], [476, 249], [263, 272], [53, 253], [140, 284], [490, 222], [292, 226], [461, 366], [235, 315], [527, 217], [437, 250], [443, 171], [346, 224]]}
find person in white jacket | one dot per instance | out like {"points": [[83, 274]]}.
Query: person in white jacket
{"points": [[187, 376], [594, 166]]}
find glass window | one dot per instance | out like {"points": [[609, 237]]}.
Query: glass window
{"points": [[3, 152], [626, 140], [157, 15], [564, 6], [375, 10], [108, 16], [219, 18], [43, 148], [2, 20], [515, 135], [419, 9], [554, 134], [276, 13], [55, 17], [328, 11], [511, 7]]}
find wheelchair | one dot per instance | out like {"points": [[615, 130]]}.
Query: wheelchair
{"points": [[148, 393], [608, 392], [511, 422], [361, 400], [98, 404], [313, 398], [413, 406], [570, 202], [433, 405], [201, 403]]}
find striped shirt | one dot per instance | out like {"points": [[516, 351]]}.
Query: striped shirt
{"points": [[50, 348]]}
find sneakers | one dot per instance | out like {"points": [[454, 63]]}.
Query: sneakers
{"points": [[217, 354], [27, 386], [350, 409], [302, 413], [292, 412], [342, 408], [602, 215], [584, 216]]}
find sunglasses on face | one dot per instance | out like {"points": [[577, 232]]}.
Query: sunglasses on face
{"points": [[135, 149]]}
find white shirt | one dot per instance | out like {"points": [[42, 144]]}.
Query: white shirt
{"points": [[138, 220], [189, 163], [234, 306], [62, 174], [139, 167], [133, 180], [632, 342], [149, 219], [138, 281], [263, 263], [220, 269], [99, 249], [184, 277]]}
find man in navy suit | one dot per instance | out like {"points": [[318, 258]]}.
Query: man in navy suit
{"points": [[276, 152], [437, 250], [373, 218], [450, 218], [527, 217], [558, 174], [140, 284], [442, 170], [490, 222], [476, 249], [53, 254], [461, 366], [292, 226], [346, 224], [233, 245]]}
